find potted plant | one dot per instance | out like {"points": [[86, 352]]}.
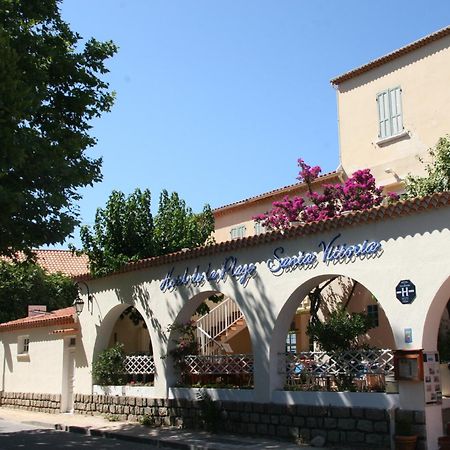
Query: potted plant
{"points": [[405, 439]]}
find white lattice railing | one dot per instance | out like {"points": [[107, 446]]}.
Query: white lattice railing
{"points": [[139, 365], [219, 364], [216, 322], [356, 364]]}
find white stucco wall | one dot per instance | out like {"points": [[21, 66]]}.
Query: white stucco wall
{"points": [[412, 247], [41, 371], [423, 77]]}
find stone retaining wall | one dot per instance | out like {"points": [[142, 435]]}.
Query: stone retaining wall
{"points": [[48, 403], [358, 427]]}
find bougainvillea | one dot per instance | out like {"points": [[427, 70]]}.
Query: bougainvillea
{"points": [[359, 192]]}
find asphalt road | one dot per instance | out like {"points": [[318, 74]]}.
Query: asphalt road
{"points": [[27, 436]]}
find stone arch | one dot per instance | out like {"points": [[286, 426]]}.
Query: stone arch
{"points": [[105, 328], [186, 314], [434, 314], [284, 319]]}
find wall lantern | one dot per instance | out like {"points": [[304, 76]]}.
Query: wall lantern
{"points": [[79, 305], [79, 302]]}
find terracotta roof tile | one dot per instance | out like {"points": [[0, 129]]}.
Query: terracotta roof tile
{"points": [[377, 214], [64, 261], [63, 316], [393, 55], [276, 192]]}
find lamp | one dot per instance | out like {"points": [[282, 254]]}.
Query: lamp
{"points": [[79, 302], [79, 305]]}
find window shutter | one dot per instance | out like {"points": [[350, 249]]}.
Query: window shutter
{"points": [[396, 110], [384, 114]]}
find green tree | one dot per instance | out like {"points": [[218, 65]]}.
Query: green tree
{"points": [[126, 231], [437, 178], [123, 231], [49, 91], [177, 227], [27, 283]]}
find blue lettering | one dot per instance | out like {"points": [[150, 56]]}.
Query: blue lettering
{"points": [[274, 265]]}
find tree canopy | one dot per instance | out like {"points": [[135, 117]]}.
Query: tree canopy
{"points": [[125, 229], [50, 89], [26, 283]]}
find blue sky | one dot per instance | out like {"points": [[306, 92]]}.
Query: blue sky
{"points": [[217, 99]]}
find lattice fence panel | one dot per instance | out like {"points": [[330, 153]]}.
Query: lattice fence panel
{"points": [[219, 364], [356, 363], [139, 365]]}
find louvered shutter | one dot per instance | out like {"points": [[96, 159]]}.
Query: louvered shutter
{"points": [[396, 110], [384, 115]]}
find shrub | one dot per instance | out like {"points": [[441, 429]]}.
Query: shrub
{"points": [[109, 367]]}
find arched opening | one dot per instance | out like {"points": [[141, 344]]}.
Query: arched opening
{"points": [[124, 328], [210, 344], [333, 335], [437, 336]]}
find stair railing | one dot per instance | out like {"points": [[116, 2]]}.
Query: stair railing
{"points": [[217, 322]]}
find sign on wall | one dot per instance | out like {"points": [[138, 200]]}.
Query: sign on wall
{"points": [[405, 291], [335, 251]]}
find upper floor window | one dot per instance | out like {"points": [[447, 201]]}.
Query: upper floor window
{"points": [[259, 228], [238, 232], [390, 120]]}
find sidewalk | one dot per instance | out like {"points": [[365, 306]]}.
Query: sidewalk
{"points": [[163, 438]]}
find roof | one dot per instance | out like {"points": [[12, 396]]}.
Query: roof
{"points": [[64, 261], [276, 192], [393, 55], [376, 214], [64, 316]]}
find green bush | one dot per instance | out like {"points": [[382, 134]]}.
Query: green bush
{"points": [[341, 330], [109, 367]]}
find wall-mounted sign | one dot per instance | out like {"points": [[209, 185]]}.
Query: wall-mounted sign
{"points": [[333, 251], [230, 267], [408, 336], [432, 377], [405, 291]]}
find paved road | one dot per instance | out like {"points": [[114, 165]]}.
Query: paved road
{"points": [[14, 435]]}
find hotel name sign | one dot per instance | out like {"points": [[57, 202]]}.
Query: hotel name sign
{"points": [[332, 251]]}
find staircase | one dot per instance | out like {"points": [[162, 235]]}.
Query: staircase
{"points": [[216, 328]]}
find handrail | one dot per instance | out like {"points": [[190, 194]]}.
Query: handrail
{"points": [[217, 322]]}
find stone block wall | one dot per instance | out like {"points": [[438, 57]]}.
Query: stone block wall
{"points": [[356, 427], [48, 403], [418, 427]]}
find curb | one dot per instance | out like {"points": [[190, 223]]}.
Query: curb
{"points": [[159, 443]]}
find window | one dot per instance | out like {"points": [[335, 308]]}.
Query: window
{"points": [[23, 345], [390, 121], [259, 228], [238, 232], [291, 339], [372, 314], [291, 342]]}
